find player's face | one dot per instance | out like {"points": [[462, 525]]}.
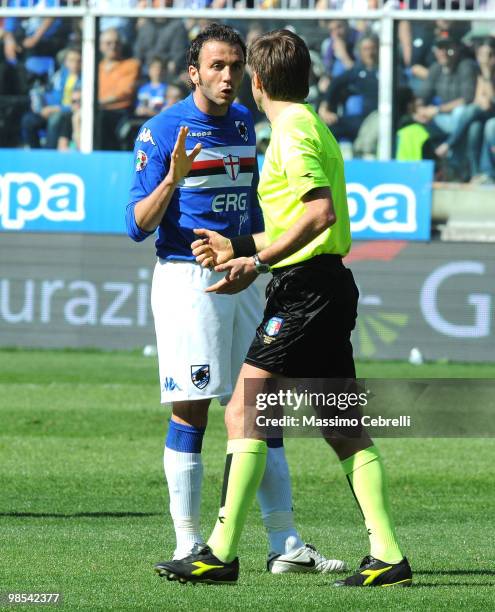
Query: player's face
{"points": [[221, 68]]}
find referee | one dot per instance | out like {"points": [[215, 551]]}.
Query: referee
{"points": [[310, 312]]}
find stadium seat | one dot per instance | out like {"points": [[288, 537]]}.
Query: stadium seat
{"points": [[40, 65]]}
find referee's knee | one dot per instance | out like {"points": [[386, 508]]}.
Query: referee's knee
{"points": [[237, 421]]}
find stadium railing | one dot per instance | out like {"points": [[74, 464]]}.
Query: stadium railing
{"points": [[387, 12]]}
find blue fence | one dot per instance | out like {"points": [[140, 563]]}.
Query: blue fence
{"points": [[43, 191]]}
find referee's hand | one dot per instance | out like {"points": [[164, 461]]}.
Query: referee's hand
{"points": [[227, 287], [241, 272]]}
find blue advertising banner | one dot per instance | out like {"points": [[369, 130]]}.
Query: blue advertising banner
{"points": [[389, 200], [46, 191]]}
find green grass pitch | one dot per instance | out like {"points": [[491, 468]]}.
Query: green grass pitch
{"points": [[83, 504]]}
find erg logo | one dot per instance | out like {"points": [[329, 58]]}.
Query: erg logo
{"points": [[25, 196], [226, 202], [384, 209]]}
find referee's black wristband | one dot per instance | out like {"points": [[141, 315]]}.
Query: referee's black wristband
{"points": [[243, 246]]}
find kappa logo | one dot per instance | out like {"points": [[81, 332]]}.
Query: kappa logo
{"points": [[169, 384], [146, 136], [232, 165], [242, 129], [200, 375], [200, 134]]}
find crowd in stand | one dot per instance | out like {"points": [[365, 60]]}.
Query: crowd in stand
{"points": [[444, 84]]}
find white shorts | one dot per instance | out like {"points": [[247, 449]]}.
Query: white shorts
{"points": [[202, 338]]}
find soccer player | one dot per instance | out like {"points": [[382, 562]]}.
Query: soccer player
{"points": [[311, 302], [195, 166]]}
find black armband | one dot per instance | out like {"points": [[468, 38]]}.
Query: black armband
{"points": [[243, 246]]}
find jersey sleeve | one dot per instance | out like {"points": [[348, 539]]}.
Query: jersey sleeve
{"points": [[257, 222], [151, 164], [301, 160]]}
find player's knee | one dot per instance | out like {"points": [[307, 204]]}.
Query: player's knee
{"points": [[192, 413], [234, 419], [240, 421], [232, 413]]}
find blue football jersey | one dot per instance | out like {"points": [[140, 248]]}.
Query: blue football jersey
{"points": [[219, 193]]}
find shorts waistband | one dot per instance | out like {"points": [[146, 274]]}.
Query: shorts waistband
{"points": [[327, 261]]}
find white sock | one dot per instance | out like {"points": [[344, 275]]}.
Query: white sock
{"points": [[275, 500], [184, 473]]}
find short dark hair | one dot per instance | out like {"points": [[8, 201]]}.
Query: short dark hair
{"points": [[214, 31], [282, 62]]}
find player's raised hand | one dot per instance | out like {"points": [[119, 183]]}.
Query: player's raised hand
{"points": [[180, 161], [212, 249]]}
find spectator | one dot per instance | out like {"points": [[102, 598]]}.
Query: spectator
{"points": [[487, 159], [415, 45], [151, 95], [449, 87], [166, 38], [43, 36], [70, 129], [150, 101], [117, 81], [356, 89], [413, 139], [51, 108], [123, 25], [176, 91], [337, 51], [147, 31], [14, 101], [467, 137]]}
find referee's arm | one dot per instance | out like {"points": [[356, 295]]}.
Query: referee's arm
{"points": [[319, 216]]}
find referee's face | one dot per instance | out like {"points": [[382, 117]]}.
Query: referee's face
{"points": [[221, 68]]}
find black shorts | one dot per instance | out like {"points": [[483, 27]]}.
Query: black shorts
{"points": [[310, 311]]}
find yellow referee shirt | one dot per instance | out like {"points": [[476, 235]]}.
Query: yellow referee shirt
{"points": [[303, 155]]}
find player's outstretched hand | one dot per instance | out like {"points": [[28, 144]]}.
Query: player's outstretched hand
{"points": [[212, 249], [180, 161]]}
